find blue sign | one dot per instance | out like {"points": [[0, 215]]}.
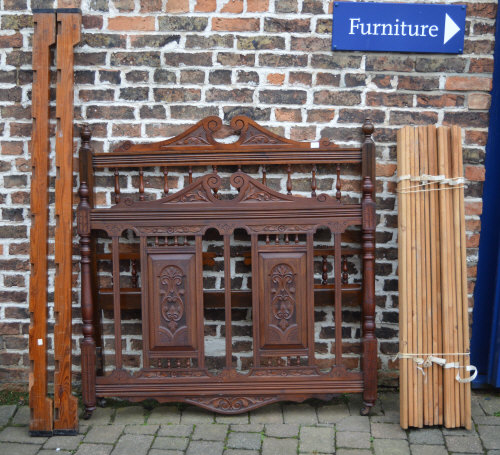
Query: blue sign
{"points": [[398, 27]]}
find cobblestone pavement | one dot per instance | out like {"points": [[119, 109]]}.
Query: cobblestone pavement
{"points": [[281, 429]]}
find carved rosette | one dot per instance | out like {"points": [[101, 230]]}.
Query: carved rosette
{"points": [[172, 294], [283, 294], [231, 405]]}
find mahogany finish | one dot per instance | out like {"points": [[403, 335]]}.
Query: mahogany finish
{"points": [[168, 262]]}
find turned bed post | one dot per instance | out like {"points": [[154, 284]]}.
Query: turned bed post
{"points": [[88, 345], [369, 342]]}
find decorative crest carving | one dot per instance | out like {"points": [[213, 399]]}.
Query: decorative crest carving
{"points": [[231, 405]]}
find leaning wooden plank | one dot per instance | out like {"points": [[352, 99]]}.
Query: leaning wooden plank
{"points": [[40, 404], [65, 404]]}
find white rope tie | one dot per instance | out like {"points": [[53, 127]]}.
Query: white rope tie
{"points": [[425, 180], [426, 360]]}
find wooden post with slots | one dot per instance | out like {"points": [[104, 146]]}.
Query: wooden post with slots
{"points": [[40, 404], [65, 404]]}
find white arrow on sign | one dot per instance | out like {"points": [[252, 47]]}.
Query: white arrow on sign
{"points": [[450, 29]]}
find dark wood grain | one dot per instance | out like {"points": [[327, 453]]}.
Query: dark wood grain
{"points": [[41, 419]]}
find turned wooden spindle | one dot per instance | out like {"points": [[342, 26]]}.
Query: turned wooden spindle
{"points": [[338, 186], [134, 273], [277, 241], [117, 186], [141, 184], [264, 174], [190, 174], [287, 240], [313, 181], [296, 238], [289, 179], [324, 276], [345, 275], [267, 239], [165, 180]]}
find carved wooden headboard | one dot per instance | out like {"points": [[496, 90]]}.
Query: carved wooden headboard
{"points": [[166, 282]]}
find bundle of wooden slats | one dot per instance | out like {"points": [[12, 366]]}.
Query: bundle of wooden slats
{"points": [[433, 304]]}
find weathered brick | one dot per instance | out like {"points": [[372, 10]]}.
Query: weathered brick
{"points": [[188, 59], [111, 76], [134, 93], [17, 21], [135, 59], [235, 25], [157, 111], [328, 79], [258, 114], [390, 63], [155, 41], [176, 95], [110, 112], [479, 101], [360, 115], [247, 77], [310, 44], [282, 60], [235, 95], [447, 100], [320, 115], [182, 23], [165, 76], [205, 6], [177, 6], [288, 115], [15, 40], [137, 76], [257, 6], [192, 77], [100, 40], [209, 42], [124, 5], [312, 7], [409, 117], [260, 42], [349, 98], [282, 96], [335, 61], [232, 6], [481, 65], [418, 83], [220, 77], [439, 64], [276, 25], [300, 78], [92, 22], [230, 59], [468, 83], [96, 95], [467, 119]]}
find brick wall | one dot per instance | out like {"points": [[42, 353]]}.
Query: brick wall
{"points": [[145, 70]]}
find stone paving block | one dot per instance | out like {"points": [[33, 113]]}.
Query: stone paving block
{"points": [[6, 412], [233, 420], [390, 417], [387, 431], [19, 449], [493, 452], [205, 448], [210, 432], [332, 413], [486, 420], [63, 442], [94, 449], [101, 416], [165, 414], [267, 414], [353, 440], [317, 439], [389, 401], [490, 435], [429, 436], [104, 434], [459, 431], [170, 443], [353, 452], [196, 415], [354, 423], [282, 430], [244, 441], [83, 428], [130, 414], [240, 452], [142, 429], [165, 452], [303, 414], [470, 444], [22, 416], [417, 449], [489, 403], [248, 428], [391, 447], [20, 434], [274, 446], [175, 430], [54, 452], [133, 444], [476, 409]]}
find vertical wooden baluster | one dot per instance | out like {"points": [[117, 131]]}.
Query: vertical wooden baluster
{"points": [[168, 363], [269, 363], [175, 241], [141, 184], [277, 241], [190, 175], [157, 241], [116, 300], [134, 273], [345, 274], [289, 179], [287, 240], [324, 276], [296, 238], [313, 181], [264, 174], [178, 363], [338, 186], [267, 239], [165, 180], [117, 186], [337, 276]]}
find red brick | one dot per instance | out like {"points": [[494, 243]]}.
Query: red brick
{"points": [[205, 6], [479, 101], [177, 6], [475, 173], [257, 6], [233, 6], [472, 241], [481, 65], [127, 23], [235, 25], [473, 208], [11, 148], [447, 100], [468, 83], [386, 170], [151, 6], [320, 115], [479, 9], [276, 78], [15, 40], [474, 137], [90, 22], [473, 225], [303, 133], [288, 115]]}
